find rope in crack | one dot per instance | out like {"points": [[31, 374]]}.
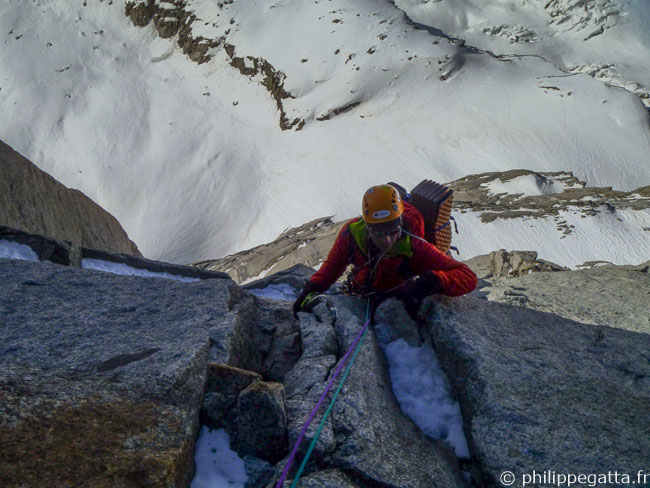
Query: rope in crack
{"points": [[356, 345]]}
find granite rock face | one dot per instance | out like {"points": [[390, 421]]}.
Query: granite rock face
{"points": [[102, 376], [307, 245], [105, 378], [541, 392], [504, 264], [33, 201], [618, 296], [125, 367], [367, 441], [366, 427]]}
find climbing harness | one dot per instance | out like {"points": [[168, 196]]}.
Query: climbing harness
{"points": [[356, 345], [351, 286]]}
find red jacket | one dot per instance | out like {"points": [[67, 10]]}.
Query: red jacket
{"points": [[455, 278]]}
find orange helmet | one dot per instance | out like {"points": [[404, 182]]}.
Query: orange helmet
{"points": [[381, 204]]}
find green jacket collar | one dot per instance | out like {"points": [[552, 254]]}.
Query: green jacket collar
{"points": [[359, 231]]}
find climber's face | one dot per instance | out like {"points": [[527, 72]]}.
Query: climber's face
{"points": [[384, 238]]}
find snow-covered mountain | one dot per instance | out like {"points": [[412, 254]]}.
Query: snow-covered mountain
{"points": [[297, 107]]}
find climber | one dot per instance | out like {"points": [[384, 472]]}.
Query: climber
{"points": [[389, 256]]}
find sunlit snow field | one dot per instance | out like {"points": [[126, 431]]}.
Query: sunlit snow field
{"points": [[192, 161]]}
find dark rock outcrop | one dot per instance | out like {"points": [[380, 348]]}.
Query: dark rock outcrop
{"points": [[223, 386], [140, 13], [262, 422], [45, 248], [271, 78], [330, 478], [258, 471], [34, 202], [171, 18]]}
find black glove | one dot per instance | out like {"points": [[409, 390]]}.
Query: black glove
{"points": [[376, 299], [307, 289], [415, 290]]}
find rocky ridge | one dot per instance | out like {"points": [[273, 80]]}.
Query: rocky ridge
{"points": [[171, 18], [34, 202], [307, 244], [558, 192], [605, 297], [176, 18]]}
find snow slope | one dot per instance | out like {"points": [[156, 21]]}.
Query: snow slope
{"points": [[617, 237], [192, 161], [607, 39]]}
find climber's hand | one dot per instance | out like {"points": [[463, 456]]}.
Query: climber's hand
{"points": [[301, 301], [413, 291]]}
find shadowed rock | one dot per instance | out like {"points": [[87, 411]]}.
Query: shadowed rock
{"points": [[262, 422], [223, 386], [33, 201], [331, 478]]}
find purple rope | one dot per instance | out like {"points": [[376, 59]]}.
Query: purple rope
{"points": [[313, 412]]}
